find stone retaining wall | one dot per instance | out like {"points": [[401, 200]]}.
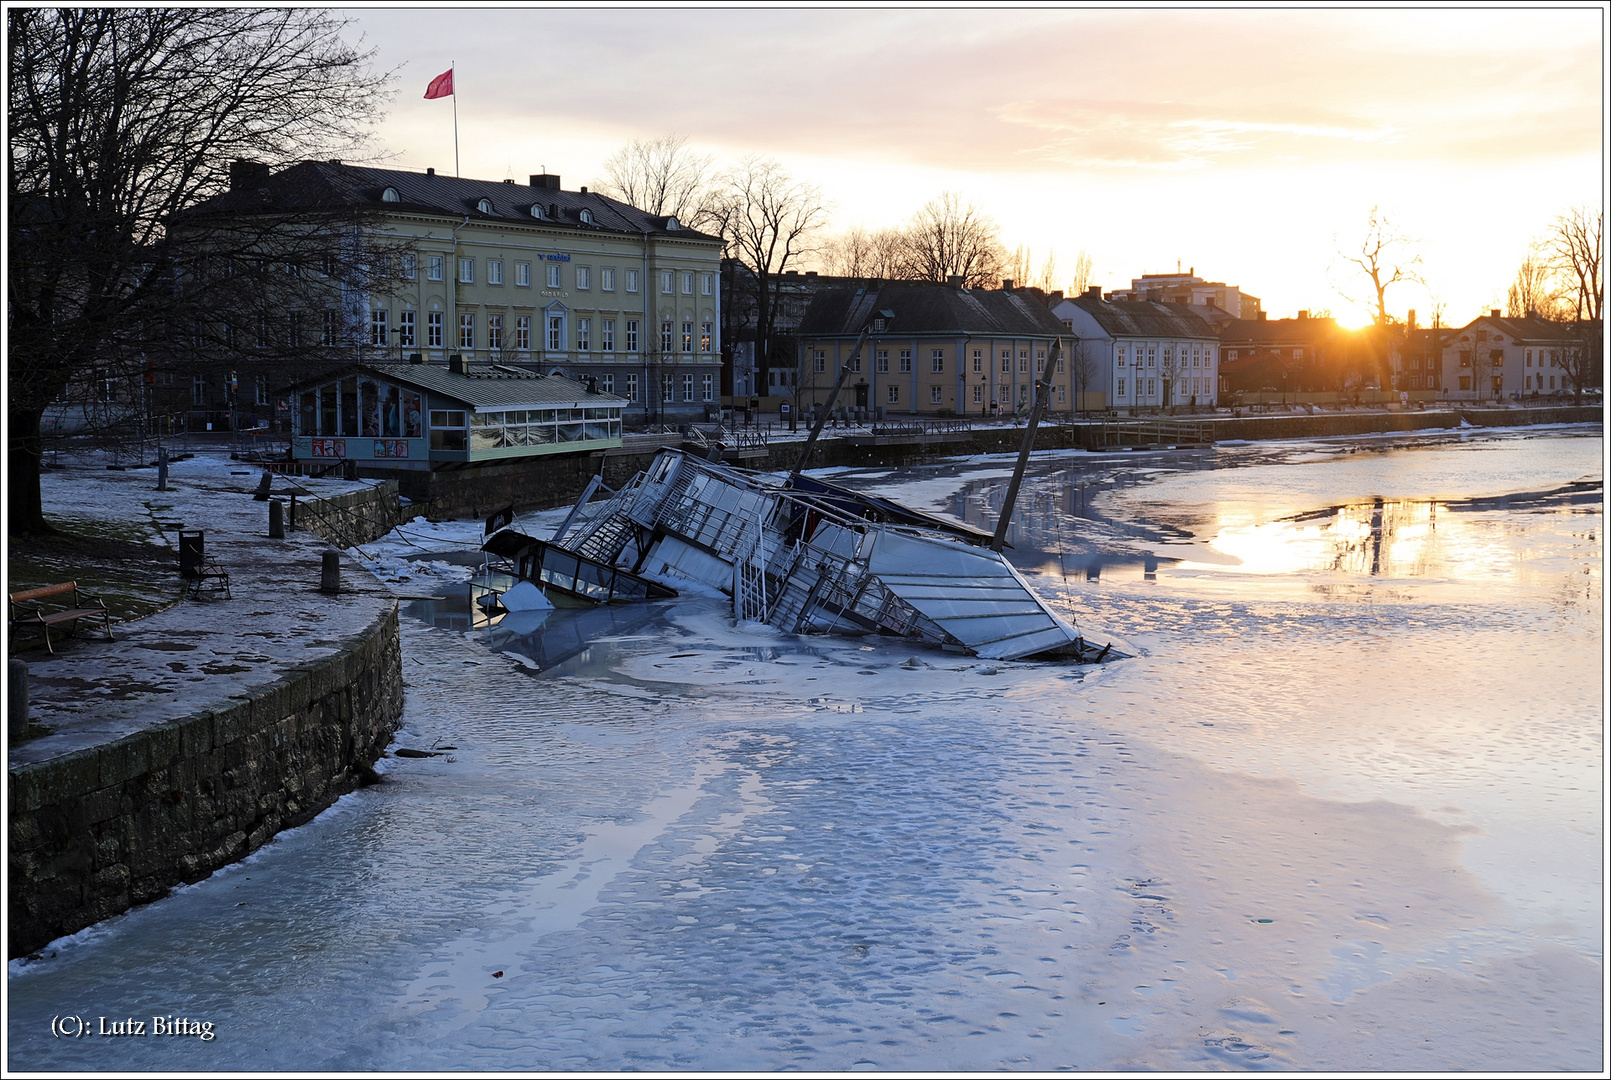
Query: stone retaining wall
{"points": [[99, 830], [478, 491], [358, 517]]}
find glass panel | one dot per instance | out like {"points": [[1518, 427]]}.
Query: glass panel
{"points": [[570, 433], [369, 407], [349, 406], [540, 416], [539, 434], [487, 419], [447, 439], [598, 430], [514, 416], [486, 438], [308, 415], [514, 435], [391, 411], [327, 410]]}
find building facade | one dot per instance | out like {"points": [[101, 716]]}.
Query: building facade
{"points": [[1190, 289], [1143, 355], [530, 276], [1493, 357], [932, 350], [1287, 355]]}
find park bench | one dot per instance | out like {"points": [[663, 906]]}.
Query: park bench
{"points": [[26, 613]]}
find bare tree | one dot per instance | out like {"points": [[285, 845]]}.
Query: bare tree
{"points": [[1577, 242], [1384, 259], [946, 238], [767, 221], [1082, 274], [121, 119], [661, 177], [864, 253], [1082, 367], [1535, 289]]}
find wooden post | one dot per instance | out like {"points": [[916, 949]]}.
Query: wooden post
{"points": [[1043, 390]]}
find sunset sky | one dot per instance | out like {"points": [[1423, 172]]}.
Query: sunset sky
{"points": [[1248, 144]]}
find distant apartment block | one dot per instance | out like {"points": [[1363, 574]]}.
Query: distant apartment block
{"points": [[1190, 289]]}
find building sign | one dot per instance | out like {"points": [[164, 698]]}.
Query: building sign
{"points": [[555, 258], [336, 448], [391, 448]]}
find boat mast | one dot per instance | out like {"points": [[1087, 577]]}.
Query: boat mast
{"points": [[833, 395], [1043, 392]]}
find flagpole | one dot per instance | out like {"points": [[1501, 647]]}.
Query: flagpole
{"points": [[455, 83]]}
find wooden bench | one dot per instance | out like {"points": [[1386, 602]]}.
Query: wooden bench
{"points": [[25, 614]]}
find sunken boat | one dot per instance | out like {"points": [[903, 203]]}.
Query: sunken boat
{"points": [[801, 555]]}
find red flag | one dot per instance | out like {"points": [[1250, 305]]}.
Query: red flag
{"points": [[441, 86]]}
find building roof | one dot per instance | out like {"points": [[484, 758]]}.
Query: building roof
{"points": [[326, 185], [926, 309], [483, 386], [1528, 328], [1146, 318], [1278, 331]]}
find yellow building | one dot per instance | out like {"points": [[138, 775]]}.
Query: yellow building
{"points": [[528, 275], [935, 350]]}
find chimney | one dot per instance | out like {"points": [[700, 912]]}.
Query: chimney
{"points": [[1303, 313], [545, 180], [456, 364], [1054, 297], [245, 173], [416, 358], [954, 280], [1263, 316], [584, 189], [511, 181], [1410, 322], [430, 172], [1493, 313], [1093, 292], [1006, 284]]}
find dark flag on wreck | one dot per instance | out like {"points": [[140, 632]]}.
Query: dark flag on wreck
{"points": [[498, 520]]}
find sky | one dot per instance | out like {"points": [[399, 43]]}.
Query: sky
{"points": [[1250, 145]]}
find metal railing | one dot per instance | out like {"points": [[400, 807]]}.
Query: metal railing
{"points": [[1111, 433]]}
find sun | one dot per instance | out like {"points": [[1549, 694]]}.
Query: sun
{"points": [[1353, 316]]}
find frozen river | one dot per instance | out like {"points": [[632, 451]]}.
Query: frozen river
{"points": [[1343, 812]]}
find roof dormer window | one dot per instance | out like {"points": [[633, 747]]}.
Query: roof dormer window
{"points": [[586, 216], [485, 206], [537, 211], [390, 195], [672, 224]]}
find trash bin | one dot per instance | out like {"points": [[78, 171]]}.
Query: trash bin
{"points": [[192, 552]]}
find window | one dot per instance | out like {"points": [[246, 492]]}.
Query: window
{"points": [[881, 361], [293, 269], [1060, 365], [632, 335], [433, 268], [936, 395], [1006, 361], [707, 284], [584, 277], [260, 385], [666, 282], [704, 337], [390, 195], [556, 333], [523, 333], [584, 335], [607, 279], [978, 361], [1529, 358], [1023, 393], [293, 326], [523, 274], [494, 271], [1023, 361], [1121, 388], [484, 205], [467, 271], [1151, 358], [819, 361], [631, 281], [553, 275], [665, 336], [668, 391], [433, 329], [632, 388], [978, 394], [405, 266], [607, 383], [688, 284], [687, 337], [495, 332], [707, 387], [1060, 398], [586, 216], [878, 326], [198, 391], [1152, 387], [937, 361], [855, 363], [377, 328], [894, 393], [332, 328], [906, 361], [688, 388], [231, 337], [607, 335], [467, 330]]}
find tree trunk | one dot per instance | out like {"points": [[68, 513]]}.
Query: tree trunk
{"points": [[24, 457]]}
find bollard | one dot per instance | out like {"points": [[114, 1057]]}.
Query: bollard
{"points": [[330, 575], [16, 699], [292, 522], [276, 520], [263, 487], [162, 468]]}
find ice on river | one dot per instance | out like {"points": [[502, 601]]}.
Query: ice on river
{"points": [[1334, 818]]}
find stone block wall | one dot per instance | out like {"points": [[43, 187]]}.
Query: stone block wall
{"points": [[97, 831], [357, 517]]}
